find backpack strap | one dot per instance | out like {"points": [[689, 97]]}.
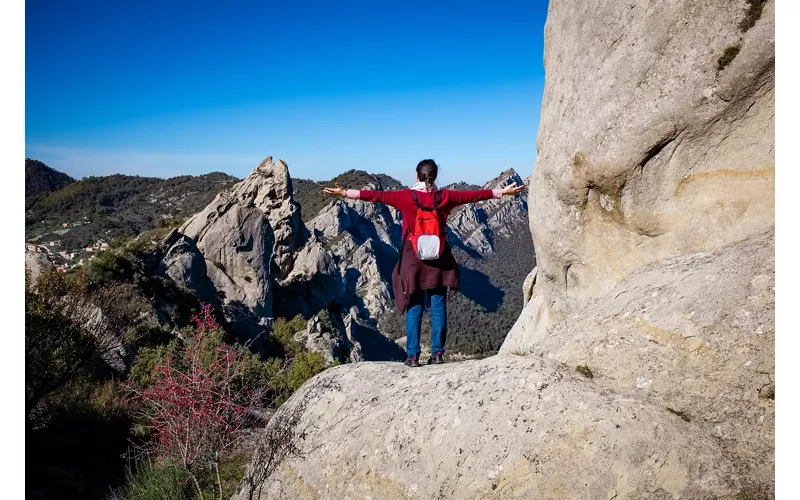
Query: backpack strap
{"points": [[416, 200], [437, 200]]}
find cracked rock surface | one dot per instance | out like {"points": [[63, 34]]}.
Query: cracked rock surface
{"points": [[502, 427]]}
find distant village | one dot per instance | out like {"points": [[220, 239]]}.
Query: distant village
{"points": [[65, 259]]}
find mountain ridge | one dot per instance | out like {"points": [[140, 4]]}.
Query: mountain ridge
{"points": [[361, 238]]}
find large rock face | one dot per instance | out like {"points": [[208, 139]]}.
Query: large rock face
{"points": [[242, 235], [694, 333], [646, 149]]}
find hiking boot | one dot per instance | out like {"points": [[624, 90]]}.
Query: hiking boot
{"points": [[411, 361], [436, 358]]}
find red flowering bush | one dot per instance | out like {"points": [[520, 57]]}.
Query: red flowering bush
{"points": [[198, 404]]}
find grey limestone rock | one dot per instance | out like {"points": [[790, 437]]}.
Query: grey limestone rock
{"points": [[502, 427], [646, 149], [241, 235]]}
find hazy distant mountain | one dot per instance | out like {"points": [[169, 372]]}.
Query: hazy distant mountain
{"points": [[41, 179]]}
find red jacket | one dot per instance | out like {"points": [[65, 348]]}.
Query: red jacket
{"points": [[415, 274], [402, 200]]}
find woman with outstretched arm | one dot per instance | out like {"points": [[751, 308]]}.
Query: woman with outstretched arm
{"points": [[426, 267]]}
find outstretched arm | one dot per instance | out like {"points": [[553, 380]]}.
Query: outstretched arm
{"points": [[463, 197], [385, 197]]}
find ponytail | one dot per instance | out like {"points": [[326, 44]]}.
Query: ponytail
{"points": [[427, 170]]}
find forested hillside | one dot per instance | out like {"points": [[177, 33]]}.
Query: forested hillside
{"points": [[111, 206], [41, 179]]}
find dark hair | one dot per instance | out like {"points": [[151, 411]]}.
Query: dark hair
{"points": [[427, 170]]}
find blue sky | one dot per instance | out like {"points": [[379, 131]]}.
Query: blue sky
{"points": [[171, 88]]}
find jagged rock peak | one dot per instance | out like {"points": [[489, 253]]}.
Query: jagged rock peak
{"points": [[506, 178], [268, 188], [245, 232]]}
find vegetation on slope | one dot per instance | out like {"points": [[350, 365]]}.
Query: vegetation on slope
{"points": [[118, 205], [41, 179], [79, 430]]}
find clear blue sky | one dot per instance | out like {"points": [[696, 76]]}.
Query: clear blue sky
{"points": [[163, 88]]}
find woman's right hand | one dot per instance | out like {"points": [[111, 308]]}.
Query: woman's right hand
{"points": [[337, 191]]}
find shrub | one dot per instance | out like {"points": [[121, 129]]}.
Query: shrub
{"points": [[755, 7], [283, 332], [197, 405], [148, 240], [304, 366], [108, 267], [287, 375], [325, 320], [585, 371], [142, 372]]}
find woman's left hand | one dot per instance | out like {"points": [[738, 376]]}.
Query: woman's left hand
{"points": [[512, 190], [337, 191]]}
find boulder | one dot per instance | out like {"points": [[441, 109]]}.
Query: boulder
{"points": [[37, 264], [325, 339], [184, 263], [502, 427]]}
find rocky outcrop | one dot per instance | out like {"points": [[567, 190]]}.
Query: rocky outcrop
{"points": [[348, 259], [325, 339], [647, 149], [37, 264], [527, 286], [268, 190], [184, 263], [502, 427], [680, 168], [695, 333], [243, 234], [477, 226]]}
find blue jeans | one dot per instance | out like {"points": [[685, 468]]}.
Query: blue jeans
{"points": [[437, 299]]}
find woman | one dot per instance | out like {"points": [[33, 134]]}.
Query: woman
{"points": [[413, 278]]}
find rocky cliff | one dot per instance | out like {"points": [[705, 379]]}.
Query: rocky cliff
{"points": [[647, 148], [476, 226], [643, 363], [243, 239]]}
